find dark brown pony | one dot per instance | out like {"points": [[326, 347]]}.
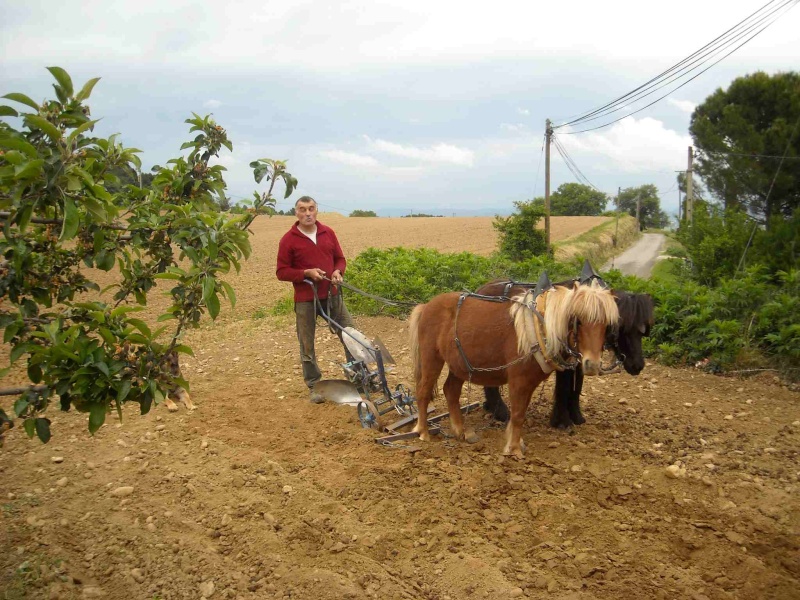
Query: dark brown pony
{"points": [[635, 321], [493, 343]]}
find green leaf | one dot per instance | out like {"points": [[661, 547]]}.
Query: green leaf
{"points": [[229, 291], [30, 427], [13, 143], [62, 78], [107, 336], [97, 416], [104, 260], [35, 373], [11, 331], [29, 170], [259, 171], [141, 326], [209, 287], [18, 351], [213, 305], [22, 99], [80, 129], [86, 90], [180, 381], [7, 111], [42, 426], [71, 220], [184, 349], [53, 132], [20, 405], [124, 390]]}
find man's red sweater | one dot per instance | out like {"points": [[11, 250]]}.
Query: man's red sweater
{"points": [[296, 253]]}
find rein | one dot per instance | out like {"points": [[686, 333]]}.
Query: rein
{"points": [[386, 301]]}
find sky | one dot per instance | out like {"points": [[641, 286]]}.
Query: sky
{"points": [[402, 106]]}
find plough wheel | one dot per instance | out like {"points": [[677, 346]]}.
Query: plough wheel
{"points": [[368, 415]]}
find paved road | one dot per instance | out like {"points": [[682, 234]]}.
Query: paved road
{"points": [[639, 259]]}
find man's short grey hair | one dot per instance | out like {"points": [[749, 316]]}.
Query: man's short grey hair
{"points": [[305, 199]]}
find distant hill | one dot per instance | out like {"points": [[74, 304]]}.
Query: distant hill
{"points": [[446, 212]]}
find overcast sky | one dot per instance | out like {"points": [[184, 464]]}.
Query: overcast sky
{"points": [[431, 106]]}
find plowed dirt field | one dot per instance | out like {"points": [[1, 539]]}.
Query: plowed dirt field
{"points": [[260, 494]]}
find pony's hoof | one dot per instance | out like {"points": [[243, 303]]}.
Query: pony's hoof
{"points": [[425, 436], [471, 437], [560, 421], [518, 453], [501, 414], [171, 406]]}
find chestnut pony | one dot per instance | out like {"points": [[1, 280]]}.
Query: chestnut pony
{"points": [[518, 342]]}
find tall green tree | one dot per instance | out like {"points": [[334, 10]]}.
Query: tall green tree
{"points": [[650, 213], [742, 133], [573, 199]]}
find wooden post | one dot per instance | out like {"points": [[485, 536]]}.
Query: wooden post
{"points": [[689, 194], [548, 133], [638, 210]]}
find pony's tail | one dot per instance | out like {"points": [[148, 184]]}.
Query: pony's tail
{"points": [[413, 327]]}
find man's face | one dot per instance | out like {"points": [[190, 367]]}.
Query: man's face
{"points": [[306, 213]]}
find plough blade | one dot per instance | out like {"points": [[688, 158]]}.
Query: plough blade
{"points": [[338, 391], [363, 349]]}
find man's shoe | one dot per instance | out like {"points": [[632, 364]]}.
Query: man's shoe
{"points": [[316, 398]]}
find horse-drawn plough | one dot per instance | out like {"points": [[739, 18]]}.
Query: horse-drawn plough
{"points": [[518, 334], [368, 390]]}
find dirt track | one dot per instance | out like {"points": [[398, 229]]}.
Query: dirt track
{"points": [[259, 494]]}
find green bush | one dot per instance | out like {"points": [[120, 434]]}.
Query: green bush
{"points": [[519, 238], [753, 320], [416, 275]]}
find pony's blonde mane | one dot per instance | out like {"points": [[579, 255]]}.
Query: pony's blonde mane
{"points": [[587, 303], [594, 304]]}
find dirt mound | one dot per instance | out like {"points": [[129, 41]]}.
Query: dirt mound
{"points": [[260, 494]]}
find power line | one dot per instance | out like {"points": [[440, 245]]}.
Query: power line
{"points": [[607, 108], [571, 165], [618, 104], [632, 97], [572, 120]]}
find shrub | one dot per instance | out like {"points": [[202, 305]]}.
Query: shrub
{"points": [[416, 275], [519, 238]]}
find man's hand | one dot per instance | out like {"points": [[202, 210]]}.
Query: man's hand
{"points": [[336, 277], [315, 274]]}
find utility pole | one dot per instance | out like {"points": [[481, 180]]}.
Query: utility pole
{"points": [[616, 230], [638, 210], [548, 134], [689, 194]]}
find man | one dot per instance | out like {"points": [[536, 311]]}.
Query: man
{"points": [[310, 250]]}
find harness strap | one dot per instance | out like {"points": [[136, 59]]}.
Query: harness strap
{"points": [[467, 364]]}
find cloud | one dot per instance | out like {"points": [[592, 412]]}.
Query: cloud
{"points": [[513, 127], [686, 106], [350, 158], [226, 160], [313, 33], [438, 153], [524, 111], [632, 145], [212, 103]]}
